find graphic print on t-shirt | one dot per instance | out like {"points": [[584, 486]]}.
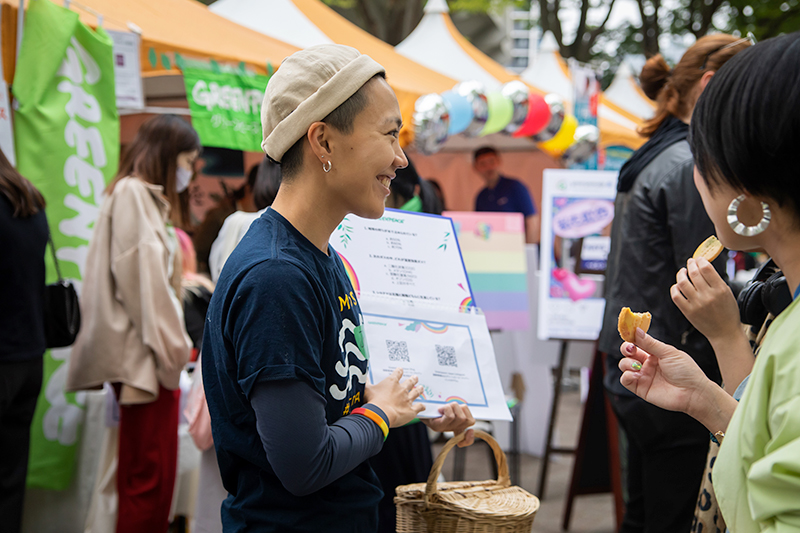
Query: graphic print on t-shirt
{"points": [[354, 355]]}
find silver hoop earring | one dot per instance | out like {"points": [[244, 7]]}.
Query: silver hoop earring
{"points": [[326, 166], [747, 231]]}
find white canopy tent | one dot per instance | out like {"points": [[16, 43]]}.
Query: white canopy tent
{"points": [[550, 73], [306, 23], [625, 93], [437, 44], [280, 19]]}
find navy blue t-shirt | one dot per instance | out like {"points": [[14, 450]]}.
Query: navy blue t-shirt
{"points": [[508, 196], [283, 310]]}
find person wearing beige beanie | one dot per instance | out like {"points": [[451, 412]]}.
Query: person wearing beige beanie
{"points": [[285, 362]]}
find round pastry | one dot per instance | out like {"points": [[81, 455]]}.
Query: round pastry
{"points": [[709, 248], [629, 321]]}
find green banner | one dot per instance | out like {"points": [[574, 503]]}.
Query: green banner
{"points": [[226, 107], [67, 131]]}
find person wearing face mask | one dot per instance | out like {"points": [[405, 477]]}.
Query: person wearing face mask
{"points": [[132, 327]]}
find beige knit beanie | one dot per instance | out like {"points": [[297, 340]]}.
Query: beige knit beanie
{"points": [[307, 87]]}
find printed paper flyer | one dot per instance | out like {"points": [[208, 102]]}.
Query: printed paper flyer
{"points": [[450, 351], [410, 256], [415, 297]]}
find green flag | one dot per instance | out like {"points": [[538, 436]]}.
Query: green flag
{"points": [[66, 128], [226, 108]]}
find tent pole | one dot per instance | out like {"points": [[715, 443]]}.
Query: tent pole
{"points": [[20, 24], [2, 68]]}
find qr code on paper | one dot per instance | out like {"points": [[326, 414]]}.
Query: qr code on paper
{"points": [[398, 351], [446, 355]]}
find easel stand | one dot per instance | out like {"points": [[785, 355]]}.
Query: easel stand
{"points": [[558, 374], [596, 469]]}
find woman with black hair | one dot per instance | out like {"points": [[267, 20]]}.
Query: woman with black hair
{"points": [[744, 143], [23, 239], [265, 185], [412, 193], [658, 222]]}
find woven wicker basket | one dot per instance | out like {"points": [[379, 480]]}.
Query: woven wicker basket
{"points": [[465, 506]]}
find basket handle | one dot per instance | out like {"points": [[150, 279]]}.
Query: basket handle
{"points": [[500, 457]]}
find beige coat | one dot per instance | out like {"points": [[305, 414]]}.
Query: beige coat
{"points": [[132, 326]]}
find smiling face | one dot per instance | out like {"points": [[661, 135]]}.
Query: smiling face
{"points": [[364, 162]]}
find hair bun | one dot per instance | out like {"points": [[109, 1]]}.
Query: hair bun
{"points": [[654, 76]]}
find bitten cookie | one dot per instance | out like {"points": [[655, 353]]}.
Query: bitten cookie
{"points": [[629, 321]]}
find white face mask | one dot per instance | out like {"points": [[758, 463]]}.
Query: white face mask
{"points": [[183, 176]]}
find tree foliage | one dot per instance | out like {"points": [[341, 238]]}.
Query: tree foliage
{"points": [[765, 18], [586, 34], [593, 40], [388, 20], [393, 20]]}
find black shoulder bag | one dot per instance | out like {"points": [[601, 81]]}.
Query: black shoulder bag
{"points": [[62, 313]]}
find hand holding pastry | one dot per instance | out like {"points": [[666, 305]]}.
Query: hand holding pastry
{"points": [[706, 300], [628, 321], [661, 374]]}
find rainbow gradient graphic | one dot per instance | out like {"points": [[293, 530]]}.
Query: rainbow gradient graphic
{"points": [[483, 230], [466, 303], [351, 273], [417, 325], [456, 399], [435, 329]]}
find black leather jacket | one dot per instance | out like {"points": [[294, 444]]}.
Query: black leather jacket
{"points": [[657, 226]]}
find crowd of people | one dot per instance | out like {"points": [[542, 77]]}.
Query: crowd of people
{"points": [[711, 433]]}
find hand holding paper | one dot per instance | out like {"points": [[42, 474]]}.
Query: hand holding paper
{"points": [[396, 398], [412, 288], [456, 418]]}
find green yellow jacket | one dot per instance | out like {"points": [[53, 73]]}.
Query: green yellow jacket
{"points": [[757, 474]]}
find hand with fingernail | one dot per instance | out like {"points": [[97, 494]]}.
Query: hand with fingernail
{"points": [[396, 397], [708, 303], [456, 418], [661, 374], [706, 300]]}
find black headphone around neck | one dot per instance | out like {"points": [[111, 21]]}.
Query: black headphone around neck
{"points": [[767, 292]]}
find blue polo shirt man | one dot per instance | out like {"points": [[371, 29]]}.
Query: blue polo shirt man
{"points": [[503, 194]]}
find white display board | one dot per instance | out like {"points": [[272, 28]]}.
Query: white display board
{"points": [[577, 211], [127, 70], [6, 126]]}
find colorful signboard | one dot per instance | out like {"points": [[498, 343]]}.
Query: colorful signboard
{"points": [[493, 247]]}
